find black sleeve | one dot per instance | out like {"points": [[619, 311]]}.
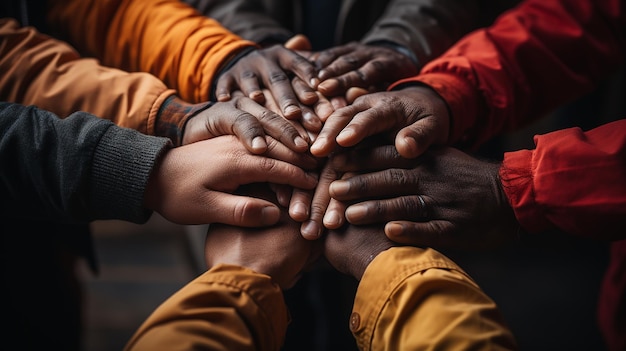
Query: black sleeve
{"points": [[426, 28], [77, 169], [246, 18]]}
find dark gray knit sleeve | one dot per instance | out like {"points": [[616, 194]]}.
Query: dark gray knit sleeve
{"points": [[77, 169], [122, 163]]}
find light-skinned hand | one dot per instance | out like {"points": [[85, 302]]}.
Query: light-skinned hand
{"points": [[194, 183]]}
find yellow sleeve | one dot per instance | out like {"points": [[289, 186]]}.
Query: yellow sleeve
{"points": [[166, 38], [39, 70], [415, 299], [226, 308]]}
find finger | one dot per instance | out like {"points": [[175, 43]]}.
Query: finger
{"points": [[338, 102], [325, 142], [415, 139], [306, 94], [225, 85], [283, 193], [370, 120], [300, 204], [248, 82], [385, 183], [260, 169], [370, 159], [313, 227], [436, 233], [355, 92], [277, 81], [279, 151], [299, 42], [301, 67], [326, 57], [273, 124], [242, 211], [410, 208], [340, 84], [310, 120], [323, 107], [335, 214]]}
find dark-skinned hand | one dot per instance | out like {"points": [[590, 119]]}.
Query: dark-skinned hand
{"points": [[371, 67], [351, 248], [446, 199], [249, 121], [271, 68], [417, 115]]}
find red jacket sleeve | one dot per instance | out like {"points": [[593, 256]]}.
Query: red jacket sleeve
{"points": [[573, 180], [534, 58]]}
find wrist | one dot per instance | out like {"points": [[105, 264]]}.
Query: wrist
{"points": [[398, 48], [173, 116], [362, 260]]}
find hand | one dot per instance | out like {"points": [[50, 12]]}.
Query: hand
{"points": [[278, 251], [248, 120], [420, 115], [351, 249], [270, 67], [448, 199], [370, 67], [193, 184]]}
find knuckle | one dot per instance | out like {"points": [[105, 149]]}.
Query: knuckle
{"points": [[397, 177], [267, 165], [277, 77], [360, 76], [248, 75], [267, 115]]}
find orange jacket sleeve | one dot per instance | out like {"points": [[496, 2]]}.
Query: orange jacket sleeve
{"points": [[226, 308], [39, 70], [415, 299], [167, 38]]}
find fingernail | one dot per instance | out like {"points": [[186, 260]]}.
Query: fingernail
{"points": [[393, 229], [314, 82], [318, 144], [300, 142], [256, 95], [330, 84], [292, 110], [339, 187], [346, 134], [332, 220], [259, 144], [310, 230], [223, 97], [356, 213], [299, 211], [270, 215]]}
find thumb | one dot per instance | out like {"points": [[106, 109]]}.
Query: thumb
{"points": [[298, 42], [244, 211], [414, 140]]}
